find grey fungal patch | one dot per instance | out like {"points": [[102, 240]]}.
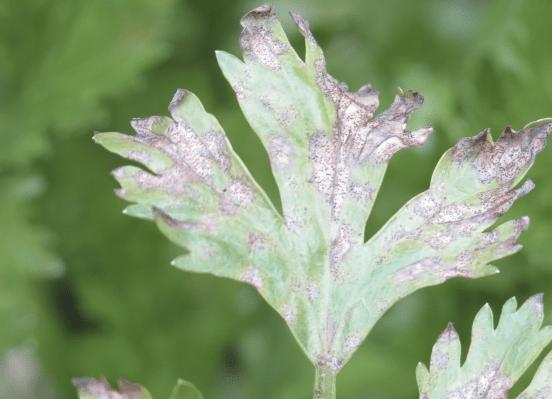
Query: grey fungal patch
{"points": [[321, 151], [364, 193], [369, 139], [260, 12], [196, 157], [303, 26], [352, 342], [280, 150], [426, 205], [439, 355], [257, 40], [313, 291], [257, 242], [140, 156], [339, 248], [101, 389], [489, 384], [330, 175], [358, 138], [238, 195], [217, 147], [333, 363], [442, 240], [153, 124], [433, 267], [513, 153], [293, 223]]}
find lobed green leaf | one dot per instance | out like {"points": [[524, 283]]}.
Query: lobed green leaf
{"points": [[329, 151], [497, 357]]}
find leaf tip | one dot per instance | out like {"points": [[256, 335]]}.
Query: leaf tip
{"points": [[260, 12], [99, 137], [302, 24], [544, 122], [537, 301], [179, 97], [449, 333]]}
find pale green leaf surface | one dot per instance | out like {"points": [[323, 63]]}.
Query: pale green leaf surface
{"points": [[328, 150], [541, 386], [496, 359]]}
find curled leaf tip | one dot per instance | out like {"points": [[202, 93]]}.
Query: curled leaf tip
{"points": [[539, 123], [261, 12]]}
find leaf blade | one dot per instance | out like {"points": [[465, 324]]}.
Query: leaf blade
{"points": [[496, 358]]}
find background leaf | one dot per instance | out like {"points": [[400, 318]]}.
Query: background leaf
{"points": [[185, 390], [497, 357]]}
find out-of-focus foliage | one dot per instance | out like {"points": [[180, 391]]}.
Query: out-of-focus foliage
{"points": [[22, 377], [120, 310], [60, 61]]}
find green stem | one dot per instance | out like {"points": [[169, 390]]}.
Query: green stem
{"points": [[324, 383]]}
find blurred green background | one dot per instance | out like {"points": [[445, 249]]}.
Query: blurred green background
{"points": [[86, 291]]}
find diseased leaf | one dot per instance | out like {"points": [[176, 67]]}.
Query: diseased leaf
{"points": [[497, 357], [328, 150], [89, 388], [200, 194]]}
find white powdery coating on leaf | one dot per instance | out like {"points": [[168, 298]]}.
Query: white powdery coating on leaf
{"points": [[102, 390], [489, 384], [339, 248], [139, 156], [253, 277], [312, 291], [352, 342], [503, 161], [188, 149], [217, 145], [440, 240], [364, 193], [430, 267], [257, 40], [321, 151], [257, 242], [237, 196], [280, 150], [289, 314], [196, 157]]}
